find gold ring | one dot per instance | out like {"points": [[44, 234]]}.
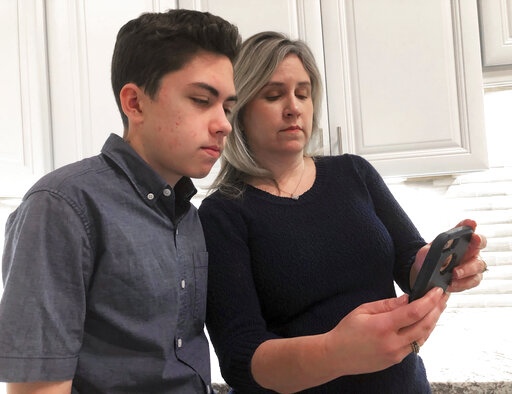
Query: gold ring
{"points": [[415, 347]]}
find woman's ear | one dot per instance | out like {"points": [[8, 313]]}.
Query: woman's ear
{"points": [[131, 97]]}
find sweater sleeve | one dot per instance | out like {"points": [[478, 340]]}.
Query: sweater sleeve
{"points": [[234, 320], [406, 238]]}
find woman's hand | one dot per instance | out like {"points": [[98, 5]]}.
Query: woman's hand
{"points": [[379, 334], [469, 272], [372, 337]]}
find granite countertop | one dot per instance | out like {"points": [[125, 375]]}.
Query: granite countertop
{"points": [[469, 352]]}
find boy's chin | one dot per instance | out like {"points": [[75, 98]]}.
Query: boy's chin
{"points": [[200, 174]]}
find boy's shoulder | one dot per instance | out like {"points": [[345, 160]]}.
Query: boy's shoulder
{"points": [[72, 178]]}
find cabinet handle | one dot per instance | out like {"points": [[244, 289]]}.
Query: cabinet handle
{"points": [[340, 144]]}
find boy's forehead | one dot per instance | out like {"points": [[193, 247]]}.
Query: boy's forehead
{"points": [[205, 68], [206, 60]]}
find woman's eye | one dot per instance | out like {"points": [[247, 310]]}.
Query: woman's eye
{"points": [[303, 95], [201, 101], [227, 111], [272, 98]]}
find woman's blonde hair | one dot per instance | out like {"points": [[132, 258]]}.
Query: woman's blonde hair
{"points": [[258, 59]]}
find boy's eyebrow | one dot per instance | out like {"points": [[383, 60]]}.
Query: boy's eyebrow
{"points": [[212, 90]]}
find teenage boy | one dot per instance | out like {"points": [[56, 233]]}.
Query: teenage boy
{"points": [[105, 265]]}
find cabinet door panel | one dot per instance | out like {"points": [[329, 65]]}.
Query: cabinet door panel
{"points": [[252, 16], [405, 88], [496, 30]]}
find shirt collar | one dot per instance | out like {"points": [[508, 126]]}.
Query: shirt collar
{"points": [[148, 183]]}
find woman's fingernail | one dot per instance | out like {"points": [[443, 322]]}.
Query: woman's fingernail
{"points": [[459, 272]]}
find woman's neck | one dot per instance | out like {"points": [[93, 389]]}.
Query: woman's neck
{"points": [[283, 168], [287, 175]]}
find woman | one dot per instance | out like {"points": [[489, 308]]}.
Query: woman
{"points": [[303, 251]]}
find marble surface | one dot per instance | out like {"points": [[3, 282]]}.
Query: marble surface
{"points": [[472, 388], [438, 388], [470, 345], [469, 352]]}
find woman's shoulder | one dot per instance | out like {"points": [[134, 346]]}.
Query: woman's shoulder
{"points": [[345, 161], [219, 201]]}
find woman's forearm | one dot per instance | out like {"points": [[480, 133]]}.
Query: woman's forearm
{"points": [[372, 337], [292, 364]]}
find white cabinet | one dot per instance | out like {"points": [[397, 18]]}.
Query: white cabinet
{"points": [[403, 78], [496, 36], [496, 30], [404, 84], [25, 146]]}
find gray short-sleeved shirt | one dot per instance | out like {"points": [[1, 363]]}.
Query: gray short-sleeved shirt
{"points": [[105, 272]]}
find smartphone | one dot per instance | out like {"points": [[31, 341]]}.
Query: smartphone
{"points": [[445, 253]]}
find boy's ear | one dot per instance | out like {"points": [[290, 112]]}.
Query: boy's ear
{"points": [[131, 97]]}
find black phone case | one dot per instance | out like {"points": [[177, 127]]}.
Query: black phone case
{"points": [[442, 257]]}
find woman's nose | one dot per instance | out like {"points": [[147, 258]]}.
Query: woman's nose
{"points": [[292, 108]]}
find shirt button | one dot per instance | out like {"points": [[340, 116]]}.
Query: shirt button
{"points": [[180, 342], [151, 196], [183, 284], [167, 192]]}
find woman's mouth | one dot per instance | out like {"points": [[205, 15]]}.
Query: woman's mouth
{"points": [[292, 128]]}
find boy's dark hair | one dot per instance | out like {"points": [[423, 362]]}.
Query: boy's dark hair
{"points": [[155, 44]]}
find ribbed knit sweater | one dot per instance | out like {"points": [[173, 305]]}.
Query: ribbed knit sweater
{"points": [[281, 268]]}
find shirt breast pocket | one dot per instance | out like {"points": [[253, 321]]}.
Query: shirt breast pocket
{"points": [[201, 282]]}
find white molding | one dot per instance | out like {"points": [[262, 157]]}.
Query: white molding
{"points": [[338, 63], [34, 85], [496, 32], [83, 81], [69, 78], [461, 134], [198, 5], [296, 20], [309, 24], [302, 11], [164, 5], [498, 77]]}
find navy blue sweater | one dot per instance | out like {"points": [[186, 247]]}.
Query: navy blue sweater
{"points": [[280, 267]]}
